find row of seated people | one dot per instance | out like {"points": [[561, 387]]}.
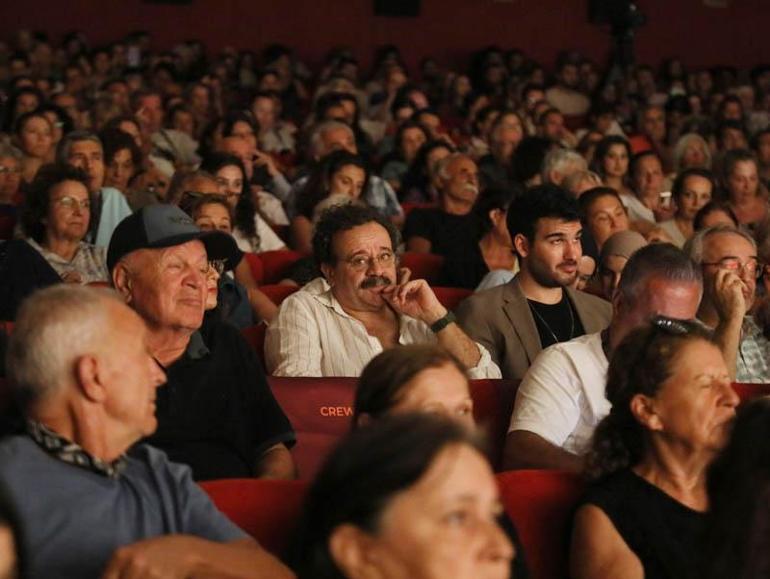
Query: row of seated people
{"points": [[399, 482]]}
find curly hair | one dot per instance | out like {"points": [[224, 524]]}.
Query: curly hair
{"points": [[341, 218], [38, 198], [642, 362]]}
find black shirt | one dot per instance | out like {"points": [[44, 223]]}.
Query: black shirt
{"points": [[661, 531], [216, 413], [446, 232], [556, 322], [464, 268]]}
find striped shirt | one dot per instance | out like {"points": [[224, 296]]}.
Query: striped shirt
{"points": [[313, 336]]}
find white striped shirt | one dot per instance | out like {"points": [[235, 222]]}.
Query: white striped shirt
{"points": [[313, 336]]}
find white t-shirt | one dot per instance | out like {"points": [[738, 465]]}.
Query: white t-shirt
{"points": [[562, 396]]}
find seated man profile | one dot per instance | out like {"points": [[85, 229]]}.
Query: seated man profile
{"points": [[92, 503]]}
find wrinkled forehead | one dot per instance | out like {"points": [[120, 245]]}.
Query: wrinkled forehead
{"points": [[720, 245], [368, 238]]}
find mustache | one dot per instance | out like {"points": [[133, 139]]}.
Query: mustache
{"points": [[569, 262], [375, 280]]}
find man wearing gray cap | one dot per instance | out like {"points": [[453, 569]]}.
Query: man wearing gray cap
{"points": [[216, 413]]}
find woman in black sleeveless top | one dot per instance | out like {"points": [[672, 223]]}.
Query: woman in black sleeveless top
{"points": [[672, 403]]}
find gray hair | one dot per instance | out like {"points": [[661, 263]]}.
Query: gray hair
{"points": [[695, 246], [55, 327], [441, 167], [560, 160], [7, 150], [572, 180], [316, 137], [65, 145], [681, 147], [661, 261]]}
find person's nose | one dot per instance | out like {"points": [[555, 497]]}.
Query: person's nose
{"points": [[497, 548]]}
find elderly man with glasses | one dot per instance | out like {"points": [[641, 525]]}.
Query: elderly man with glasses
{"points": [[362, 305], [731, 269]]}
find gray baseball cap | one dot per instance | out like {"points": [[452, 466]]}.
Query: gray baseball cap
{"points": [[162, 225]]}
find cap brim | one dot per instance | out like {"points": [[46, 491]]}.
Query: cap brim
{"points": [[219, 245]]}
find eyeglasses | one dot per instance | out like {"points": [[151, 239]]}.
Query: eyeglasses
{"points": [[751, 266], [217, 265], [363, 262], [4, 169], [71, 203]]}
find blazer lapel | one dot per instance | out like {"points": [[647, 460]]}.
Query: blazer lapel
{"points": [[517, 310]]}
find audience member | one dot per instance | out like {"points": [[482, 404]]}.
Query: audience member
{"points": [[379, 504], [611, 162], [493, 252], [34, 136], [735, 543], [741, 181], [714, 213], [672, 405], [613, 259], [361, 306], [83, 150], [731, 268], [560, 163], [250, 231], [444, 229], [602, 214], [536, 308], [67, 359], [692, 190], [216, 413], [340, 173], [562, 396]]}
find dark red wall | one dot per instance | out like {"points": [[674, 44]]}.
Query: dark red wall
{"points": [[446, 29]]}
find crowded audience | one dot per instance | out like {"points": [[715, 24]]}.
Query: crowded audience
{"points": [[589, 244]]}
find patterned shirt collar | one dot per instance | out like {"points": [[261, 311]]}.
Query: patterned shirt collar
{"points": [[67, 451]]}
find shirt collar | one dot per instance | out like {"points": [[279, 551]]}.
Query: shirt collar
{"points": [[71, 453]]}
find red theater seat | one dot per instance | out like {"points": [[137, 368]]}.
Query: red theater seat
{"points": [[409, 207], [541, 504], [492, 407], [278, 292], [276, 264], [450, 297], [268, 510], [425, 266], [748, 392], [319, 409], [256, 267]]}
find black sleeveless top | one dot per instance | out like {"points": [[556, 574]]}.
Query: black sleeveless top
{"points": [[661, 531]]}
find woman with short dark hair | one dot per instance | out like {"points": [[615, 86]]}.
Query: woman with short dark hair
{"points": [[407, 496]]}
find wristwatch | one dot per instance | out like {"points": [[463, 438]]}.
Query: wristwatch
{"points": [[442, 323]]}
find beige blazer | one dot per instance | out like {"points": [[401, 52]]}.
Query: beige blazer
{"points": [[500, 319]]}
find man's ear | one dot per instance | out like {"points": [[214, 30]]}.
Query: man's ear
{"points": [[121, 279], [521, 245], [643, 409], [87, 375], [328, 271], [352, 551]]}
